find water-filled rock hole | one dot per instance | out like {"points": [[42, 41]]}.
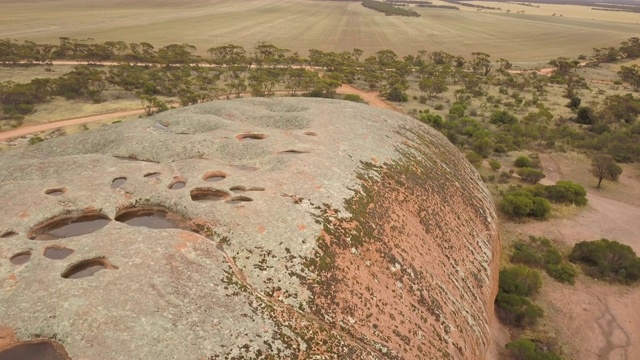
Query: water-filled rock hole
{"points": [[69, 226], [118, 182], [208, 194], [214, 176], [177, 185], [87, 268], [151, 217], [21, 258], [57, 252], [34, 350]]}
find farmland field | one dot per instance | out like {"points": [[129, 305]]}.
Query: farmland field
{"points": [[300, 25]]}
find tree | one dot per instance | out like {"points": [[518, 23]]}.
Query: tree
{"points": [[433, 85], [631, 74], [480, 64], [604, 167]]}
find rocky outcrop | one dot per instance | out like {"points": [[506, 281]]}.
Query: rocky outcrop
{"points": [[254, 228]]}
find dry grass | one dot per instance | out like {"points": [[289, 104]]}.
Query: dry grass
{"points": [[301, 24], [60, 109], [28, 73]]}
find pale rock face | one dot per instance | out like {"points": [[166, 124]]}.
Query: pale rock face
{"points": [[288, 228]]}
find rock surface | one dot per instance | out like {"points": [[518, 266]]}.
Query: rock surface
{"points": [[306, 228]]}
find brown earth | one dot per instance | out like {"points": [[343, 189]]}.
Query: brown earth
{"points": [[595, 320]]}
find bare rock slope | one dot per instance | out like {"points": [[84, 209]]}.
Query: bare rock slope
{"points": [[255, 228]]}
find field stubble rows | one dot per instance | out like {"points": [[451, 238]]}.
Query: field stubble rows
{"points": [[300, 25]]}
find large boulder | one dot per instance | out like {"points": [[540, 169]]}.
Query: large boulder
{"points": [[253, 228]]}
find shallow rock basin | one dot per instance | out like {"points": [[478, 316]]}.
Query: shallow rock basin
{"points": [[34, 350], [87, 268], [153, 218], [69, 226], [57, 252]]}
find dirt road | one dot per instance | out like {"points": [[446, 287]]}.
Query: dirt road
{"points": [[372, 98], [596, 320], [26, 130]]}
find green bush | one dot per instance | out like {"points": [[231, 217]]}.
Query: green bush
{"points": [[517, 310], [353, 97], [566, 192], [457, 111], [494, 164], [502, 117], [514, 285], [564, 273], [540, 253], [522, 162], [474, 158], [605, 259], [521, 203], [530, 175], [519, 280], [525, 349]]}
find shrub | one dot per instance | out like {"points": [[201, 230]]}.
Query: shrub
{"points": [[514, 285], [502, 117], [457, 111], [353, 97], [607, 259], [540, 253], [519, 203], [522, 162], [474, 158], [517, 310], [562, 272], [36, 139], [519, 280], [566, 192], [530, 175], [494, 164], [525, 349]]}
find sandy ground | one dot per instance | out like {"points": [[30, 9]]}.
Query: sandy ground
{"points": [[595, 320], [26, 130]]}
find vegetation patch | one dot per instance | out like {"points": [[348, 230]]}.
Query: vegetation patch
{"points": [[539, 252], [516, 284], [388, 9], [608, 260]]}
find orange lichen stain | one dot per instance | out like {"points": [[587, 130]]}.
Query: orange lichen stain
{"points": [[7, 337], [318, 187], [187, 238], [12, 277], [261, 229], [301, 227], [375, 160], [23, 214]]}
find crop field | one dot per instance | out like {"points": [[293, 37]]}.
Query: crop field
{"points": [[300, 25]]}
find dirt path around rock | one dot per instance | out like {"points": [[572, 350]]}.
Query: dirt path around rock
{"points": [[597, 320], [27, 130], [371, 98]]}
